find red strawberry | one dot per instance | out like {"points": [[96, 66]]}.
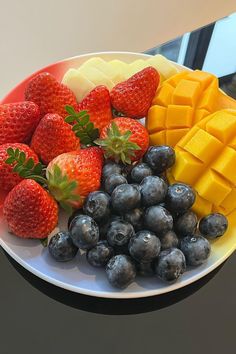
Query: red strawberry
{"points": [[18, 121], [52, 137], [98, 105], [30, 211], [124, 139], [8, 178], [73, 175], [133, 97], [50, 95]]}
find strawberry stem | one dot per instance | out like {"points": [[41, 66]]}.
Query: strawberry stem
{"points": [[117, 145], [83, 127]]}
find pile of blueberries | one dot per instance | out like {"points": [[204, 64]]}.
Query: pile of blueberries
{"points": [[138, 224]]}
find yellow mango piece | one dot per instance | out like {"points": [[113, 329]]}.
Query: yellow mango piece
{"points": [[186, 93], [196, 92], [174, 135], [163, 95], [158, 138], [206, 159], [225, 164], [203, 146], [202, 206], [179, 116], [223, 127], [186, 162], [157, 119], [213, 187]]}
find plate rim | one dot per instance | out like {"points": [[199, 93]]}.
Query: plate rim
{"points": [[106, 294]]}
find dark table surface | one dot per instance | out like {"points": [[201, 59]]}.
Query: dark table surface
{"points": [[37, 317]]}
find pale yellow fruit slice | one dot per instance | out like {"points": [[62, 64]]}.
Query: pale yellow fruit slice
{"points": [[101, 65], [96, 76], [165, 68], [136, 66], [119, 70], [78, 83]]}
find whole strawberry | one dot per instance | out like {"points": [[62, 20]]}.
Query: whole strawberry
{"points": [[30, 211], [73, 175], [18, 121], [124, 139], [133, 97], [8, 178], [98, 105], [52, 137], [50, 95]]}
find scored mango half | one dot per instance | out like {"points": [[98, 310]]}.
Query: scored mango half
{"points": [[206, 160], [182, 101]]}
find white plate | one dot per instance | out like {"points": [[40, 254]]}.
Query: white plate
{"points": [[77, 275]]}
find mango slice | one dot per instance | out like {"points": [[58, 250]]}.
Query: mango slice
{"points": [[182, 101], [206, 159]]}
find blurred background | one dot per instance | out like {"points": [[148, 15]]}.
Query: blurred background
{"points": [[211, 48]]}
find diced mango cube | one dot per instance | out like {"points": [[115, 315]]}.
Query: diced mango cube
{"points": [[203, 146], [222, 126], [179, 116], [158, 138], [225, 164], [157, 117], [186, 93], [163, 95], [183, 165], [212, 187]]}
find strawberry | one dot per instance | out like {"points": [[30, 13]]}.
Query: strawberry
{"points": [[52, 137], [50, 95], [18, 121], [8, 178], [73, 175], [30, 211], [124, 139], [98, 105], [134, 96]]}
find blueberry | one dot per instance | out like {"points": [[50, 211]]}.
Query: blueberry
{"points": [[104, 226], [99, 255], [196, 249], [125, 197], [140, 171], [75, 213], [213, 225], [112, 181], [97, 205], [61, 247], [144, 246], [180, 197], [135, 218], [158, 219], [186, 224], [145, 269], [119, 233], [169, 240], [160, 158], [110, 168], [120, 271], [84, 232], [153, 190], [170, 264]]}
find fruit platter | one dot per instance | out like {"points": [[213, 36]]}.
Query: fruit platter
{"points": [[117, 174]]}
